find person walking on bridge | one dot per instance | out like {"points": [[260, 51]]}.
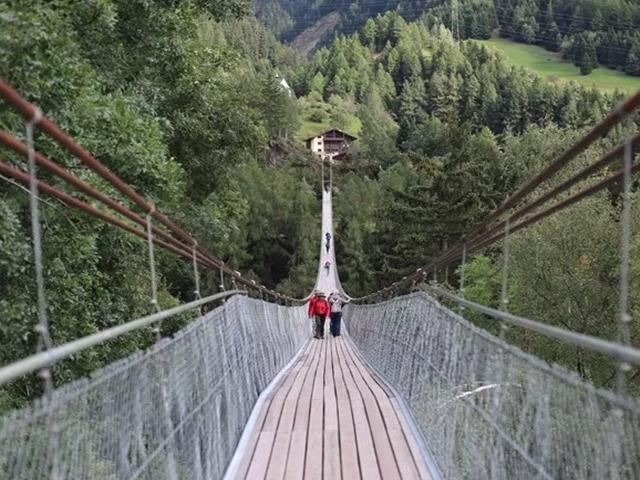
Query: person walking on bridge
{"points": [[337, 301], [328, 244], [319, 309]]}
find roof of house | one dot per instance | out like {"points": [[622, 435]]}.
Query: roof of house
{"points": [[332, 130]]}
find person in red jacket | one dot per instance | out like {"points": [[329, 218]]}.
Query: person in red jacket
{"points": [[319, 309]]}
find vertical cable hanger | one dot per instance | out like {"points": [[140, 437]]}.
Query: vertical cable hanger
{"points": [[625, 237], [196, 274], [152, 269], [221, 286], [463, 266], [504, 295], [45, 341]]}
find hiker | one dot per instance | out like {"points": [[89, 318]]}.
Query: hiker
{"points": [[328, 237], [312, 302], [327, 265], [319, 309], [337, 301]]}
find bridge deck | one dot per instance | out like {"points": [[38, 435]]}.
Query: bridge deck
{"points": [[330, 418]]}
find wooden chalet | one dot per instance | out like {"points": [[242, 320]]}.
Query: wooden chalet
{"points": [[334, 143]]}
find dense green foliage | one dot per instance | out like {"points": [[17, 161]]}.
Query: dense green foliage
{"points": [[448, 131], [588, 32], [178, 101], [181, 99]]}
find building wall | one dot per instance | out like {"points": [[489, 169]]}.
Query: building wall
{"points": [[329, 144], [317, 145]]}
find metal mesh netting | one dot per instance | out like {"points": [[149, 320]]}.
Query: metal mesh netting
{"points": [[174, 412], [489, 410]]}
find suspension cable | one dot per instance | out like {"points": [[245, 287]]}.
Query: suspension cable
{"points": [[44, 124], [481, 237], [84, 187], [67, 199]]}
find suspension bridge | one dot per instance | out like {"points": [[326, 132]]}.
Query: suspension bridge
{"points": [[411, 390]]}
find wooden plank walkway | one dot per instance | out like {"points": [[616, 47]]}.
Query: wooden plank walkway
{"points": [[329, 418]]}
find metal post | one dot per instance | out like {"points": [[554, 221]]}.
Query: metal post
{"points": [[152, 271], [221, 287], [504, 296], [462, 273], [45, 341], [196, 275]]}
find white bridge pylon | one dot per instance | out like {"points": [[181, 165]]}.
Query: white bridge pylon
{"points": [[328, 279]]}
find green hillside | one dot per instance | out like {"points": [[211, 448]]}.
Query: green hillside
{"points": [[317, 116], [554, 69]]}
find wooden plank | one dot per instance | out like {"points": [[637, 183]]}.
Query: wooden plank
{"points": [[407, 461], [416, 452], [369, 468], [298, 447], [331, 464], [280, 450], [255, 435], [331, 418], [385, 454], [253, 443], [348, 442], [314, 452], [260, 459], [262, 452]]}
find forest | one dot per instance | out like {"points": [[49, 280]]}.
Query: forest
{"points": [[183, 100], [589, 33]]}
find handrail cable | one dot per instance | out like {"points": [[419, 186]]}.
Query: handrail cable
{"points": [[486, 239], [54, 355], [71, 201], [621, 352], [86, 188]]}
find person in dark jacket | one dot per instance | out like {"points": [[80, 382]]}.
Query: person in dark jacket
{"points": [[328, 244], [319, 309], [336, 301]]}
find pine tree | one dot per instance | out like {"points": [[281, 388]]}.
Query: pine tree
{"points": [[597, 22], [551, 36], [633, 58], [589, 60], [318, 83], [579, 22], [554, 41], [525, 23], [470, 108], [369, 34]]}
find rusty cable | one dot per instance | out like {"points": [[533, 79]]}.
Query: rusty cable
{"points": [[27, 110]]}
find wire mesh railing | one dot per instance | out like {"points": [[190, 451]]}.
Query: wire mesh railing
{"points": [[489, 410], [173, 412]]}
